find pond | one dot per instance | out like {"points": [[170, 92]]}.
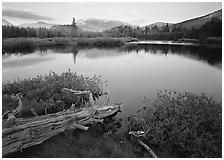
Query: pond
{"points": [[132, 72]]}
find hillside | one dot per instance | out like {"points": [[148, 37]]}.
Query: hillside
{"points": [[91, 24], [39, 24], [199, 21], [6, 23], [98, 25], [159, 24]]}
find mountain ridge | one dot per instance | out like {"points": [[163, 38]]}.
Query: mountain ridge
{"points": [[199, 21], [158, 24], [6, 23], [99, 25], [39, 24]]}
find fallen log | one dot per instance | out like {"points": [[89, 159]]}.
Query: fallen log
{"points": [[22, 133], [33, 131]]}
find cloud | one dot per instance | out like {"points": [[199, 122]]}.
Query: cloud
{"points": [[129, 15], [86, 3], [24, 14], [140, 20]]}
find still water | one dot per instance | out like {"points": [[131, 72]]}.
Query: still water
{"points": [[132, 72]]}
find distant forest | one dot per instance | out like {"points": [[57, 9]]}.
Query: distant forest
{"points": [[173, 32]]}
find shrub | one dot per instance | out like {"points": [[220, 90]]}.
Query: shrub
{"points": [[182, 124], [48, 89]]}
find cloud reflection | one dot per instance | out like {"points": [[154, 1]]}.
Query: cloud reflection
{"points": [[16, 63]]}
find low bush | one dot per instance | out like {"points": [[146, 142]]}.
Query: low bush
{"points": [[181, 124], [47, 90]]}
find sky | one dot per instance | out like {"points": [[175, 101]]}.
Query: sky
{"points": [[137, 13]]}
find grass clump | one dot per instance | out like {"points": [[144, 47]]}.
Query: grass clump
{"points": [[181, 125], [43, 91]]}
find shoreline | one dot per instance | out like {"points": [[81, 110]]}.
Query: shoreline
{"points": [[23, 44], [28, 42]]}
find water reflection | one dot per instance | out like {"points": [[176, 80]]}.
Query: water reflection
{"points": [[24, 62], [132, 71], [19, 49], [212, 56]]}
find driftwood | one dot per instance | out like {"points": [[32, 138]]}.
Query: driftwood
{"points": [[25, 132]]}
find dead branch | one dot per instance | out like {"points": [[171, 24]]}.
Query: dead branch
{"points": [[91, 101], [139, 134], [147, 148]]}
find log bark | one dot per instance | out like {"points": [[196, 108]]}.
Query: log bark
{"points": [[32, 131]]}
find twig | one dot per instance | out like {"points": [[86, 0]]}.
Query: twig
{"points": [[33, 112], [107, 98]]}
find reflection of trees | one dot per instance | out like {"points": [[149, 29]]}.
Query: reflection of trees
{"points": [[210, 55], [20, 50], [60, 49], [75, 53]]}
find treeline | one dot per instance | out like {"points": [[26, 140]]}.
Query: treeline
{"points": [[169, 32], [13, 32]]}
